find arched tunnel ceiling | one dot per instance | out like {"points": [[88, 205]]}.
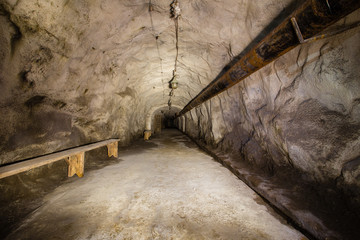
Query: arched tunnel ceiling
{"points": [[74, 72], [95, 69], [110, 46]]}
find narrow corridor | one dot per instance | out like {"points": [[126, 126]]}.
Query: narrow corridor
{"points": [[165, 188]]}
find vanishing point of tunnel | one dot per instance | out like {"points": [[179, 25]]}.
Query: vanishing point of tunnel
{"points": [[180, 119]]}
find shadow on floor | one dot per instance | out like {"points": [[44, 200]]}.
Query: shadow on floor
{"points": [[23, 193]]}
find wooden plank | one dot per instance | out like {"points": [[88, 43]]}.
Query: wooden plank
{"points": [[50, 158]]}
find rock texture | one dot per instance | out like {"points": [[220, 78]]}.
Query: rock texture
{"points": [[301, 113], [74, 72]]}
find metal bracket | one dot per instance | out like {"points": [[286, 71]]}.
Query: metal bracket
{"points": [[297, 30], [321, 36]]}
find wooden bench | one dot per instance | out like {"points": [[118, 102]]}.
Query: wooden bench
{"points": [[74, 157]]}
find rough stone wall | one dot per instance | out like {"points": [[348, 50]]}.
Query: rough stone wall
{"points": [[74, 72], [57, 89], [301, 111]]}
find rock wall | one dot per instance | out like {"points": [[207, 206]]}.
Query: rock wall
{"points": [[300, 112], [74, 72], [58, 90]]}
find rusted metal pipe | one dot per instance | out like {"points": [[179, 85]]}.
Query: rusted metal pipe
{"points": [[312, 17]]}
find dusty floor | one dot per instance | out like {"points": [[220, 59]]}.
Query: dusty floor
{"points": [[162, 189]]}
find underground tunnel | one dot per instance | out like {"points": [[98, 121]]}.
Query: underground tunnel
{"points": [[179, 119]]}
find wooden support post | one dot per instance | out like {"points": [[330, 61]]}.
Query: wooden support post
{"points": [[113, 149], [147, 134], [76, 164]]}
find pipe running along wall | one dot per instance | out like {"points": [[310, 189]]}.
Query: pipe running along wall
{"points": [[312, 17]]}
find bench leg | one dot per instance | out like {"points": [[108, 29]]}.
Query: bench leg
{"points": [[113, 149], [147, 135], [76, 165]]}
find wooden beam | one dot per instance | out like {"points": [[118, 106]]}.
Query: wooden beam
{"points": [[26, 165]]}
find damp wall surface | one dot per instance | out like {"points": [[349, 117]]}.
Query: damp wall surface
{"points": [[301, 112]]}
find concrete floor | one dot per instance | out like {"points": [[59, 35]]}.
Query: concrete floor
{"points": [[165, 188]]}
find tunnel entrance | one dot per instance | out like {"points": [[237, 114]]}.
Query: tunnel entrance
{"points": [[169, 123]]}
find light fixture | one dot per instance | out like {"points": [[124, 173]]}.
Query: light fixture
{"points": [[175, 9], [174, 83]]}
